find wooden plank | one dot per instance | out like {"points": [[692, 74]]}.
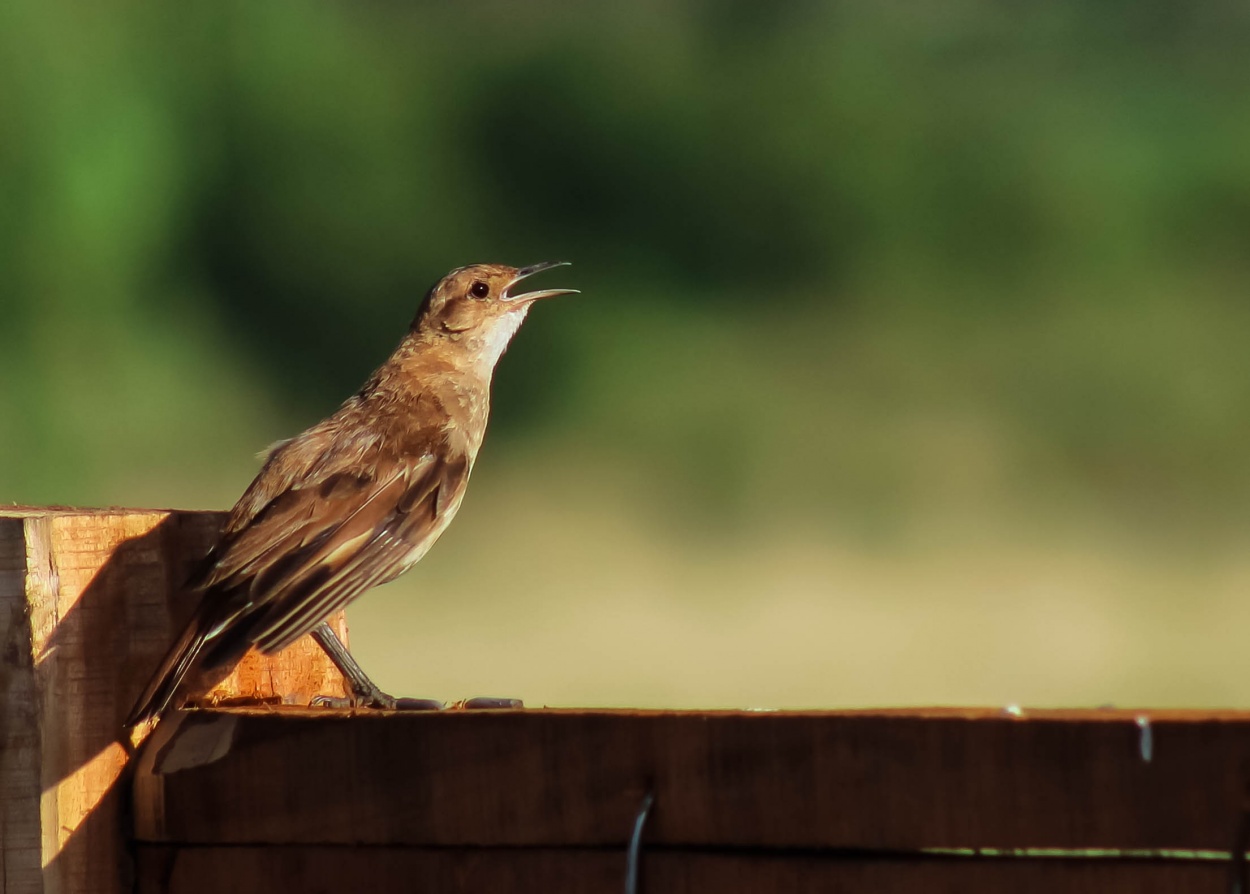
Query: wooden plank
{"points": [[298, 869], [20, 780], [897, 781], [88, 604]]}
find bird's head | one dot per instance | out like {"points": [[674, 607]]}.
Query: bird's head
{"points": [[482, 301]]}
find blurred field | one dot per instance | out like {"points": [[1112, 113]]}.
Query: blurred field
{"points": [[910, 365], [579, 607]]}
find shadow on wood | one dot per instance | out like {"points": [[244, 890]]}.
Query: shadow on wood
{"points": [[89, 601]]}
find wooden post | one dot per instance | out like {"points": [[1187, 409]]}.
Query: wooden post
{"points": [[89, 601]]}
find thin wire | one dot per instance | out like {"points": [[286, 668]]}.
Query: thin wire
{"points": [[635, 845]]}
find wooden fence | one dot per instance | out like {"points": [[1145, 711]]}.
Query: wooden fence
{"points": [[277, 797]]}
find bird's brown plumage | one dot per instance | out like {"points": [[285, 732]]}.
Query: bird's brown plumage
{"points": [[358, 498]]}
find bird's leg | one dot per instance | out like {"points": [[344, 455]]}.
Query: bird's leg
{"points": [[364, 691]]}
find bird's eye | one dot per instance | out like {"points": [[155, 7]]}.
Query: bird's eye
{"points": [[479, 289]]}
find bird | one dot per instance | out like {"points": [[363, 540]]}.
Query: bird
{"points": [[358, 498]]}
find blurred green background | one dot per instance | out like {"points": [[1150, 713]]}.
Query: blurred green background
{"points": [[910, 364]]}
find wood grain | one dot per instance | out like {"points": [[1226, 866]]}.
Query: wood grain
{"points": [[89, 600], [896, 781], [309, 869]]}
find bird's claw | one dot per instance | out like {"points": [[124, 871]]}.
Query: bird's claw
{"points": [[488, 703], [416, 704], [331, 701]]}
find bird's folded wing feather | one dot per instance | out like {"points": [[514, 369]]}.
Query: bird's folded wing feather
{"points": [[320, 543]]}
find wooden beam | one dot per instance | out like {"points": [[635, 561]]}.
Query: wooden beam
{"points": [[307, 869], [884, 781], [89, 601]]}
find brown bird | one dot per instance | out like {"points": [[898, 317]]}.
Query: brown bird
{"points": [[358, 499]]}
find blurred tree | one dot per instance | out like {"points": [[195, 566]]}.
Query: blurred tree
{"points": [[802, 231]]}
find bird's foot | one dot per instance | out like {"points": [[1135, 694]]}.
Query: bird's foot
{"points": [[376, 698], [380, 700], [364, 693]]}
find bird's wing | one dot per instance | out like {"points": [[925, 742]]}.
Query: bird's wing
{"points": [[322, 542]]}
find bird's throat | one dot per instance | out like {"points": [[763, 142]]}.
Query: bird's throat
{"points": [[484, 347]]}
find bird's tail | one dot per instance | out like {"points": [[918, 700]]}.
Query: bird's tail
{"points": [[164, 684]]}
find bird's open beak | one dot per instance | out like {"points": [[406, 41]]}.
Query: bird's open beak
{"points": [[525, 272]]}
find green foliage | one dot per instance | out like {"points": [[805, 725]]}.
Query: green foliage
{"points": [[859, 255]]}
